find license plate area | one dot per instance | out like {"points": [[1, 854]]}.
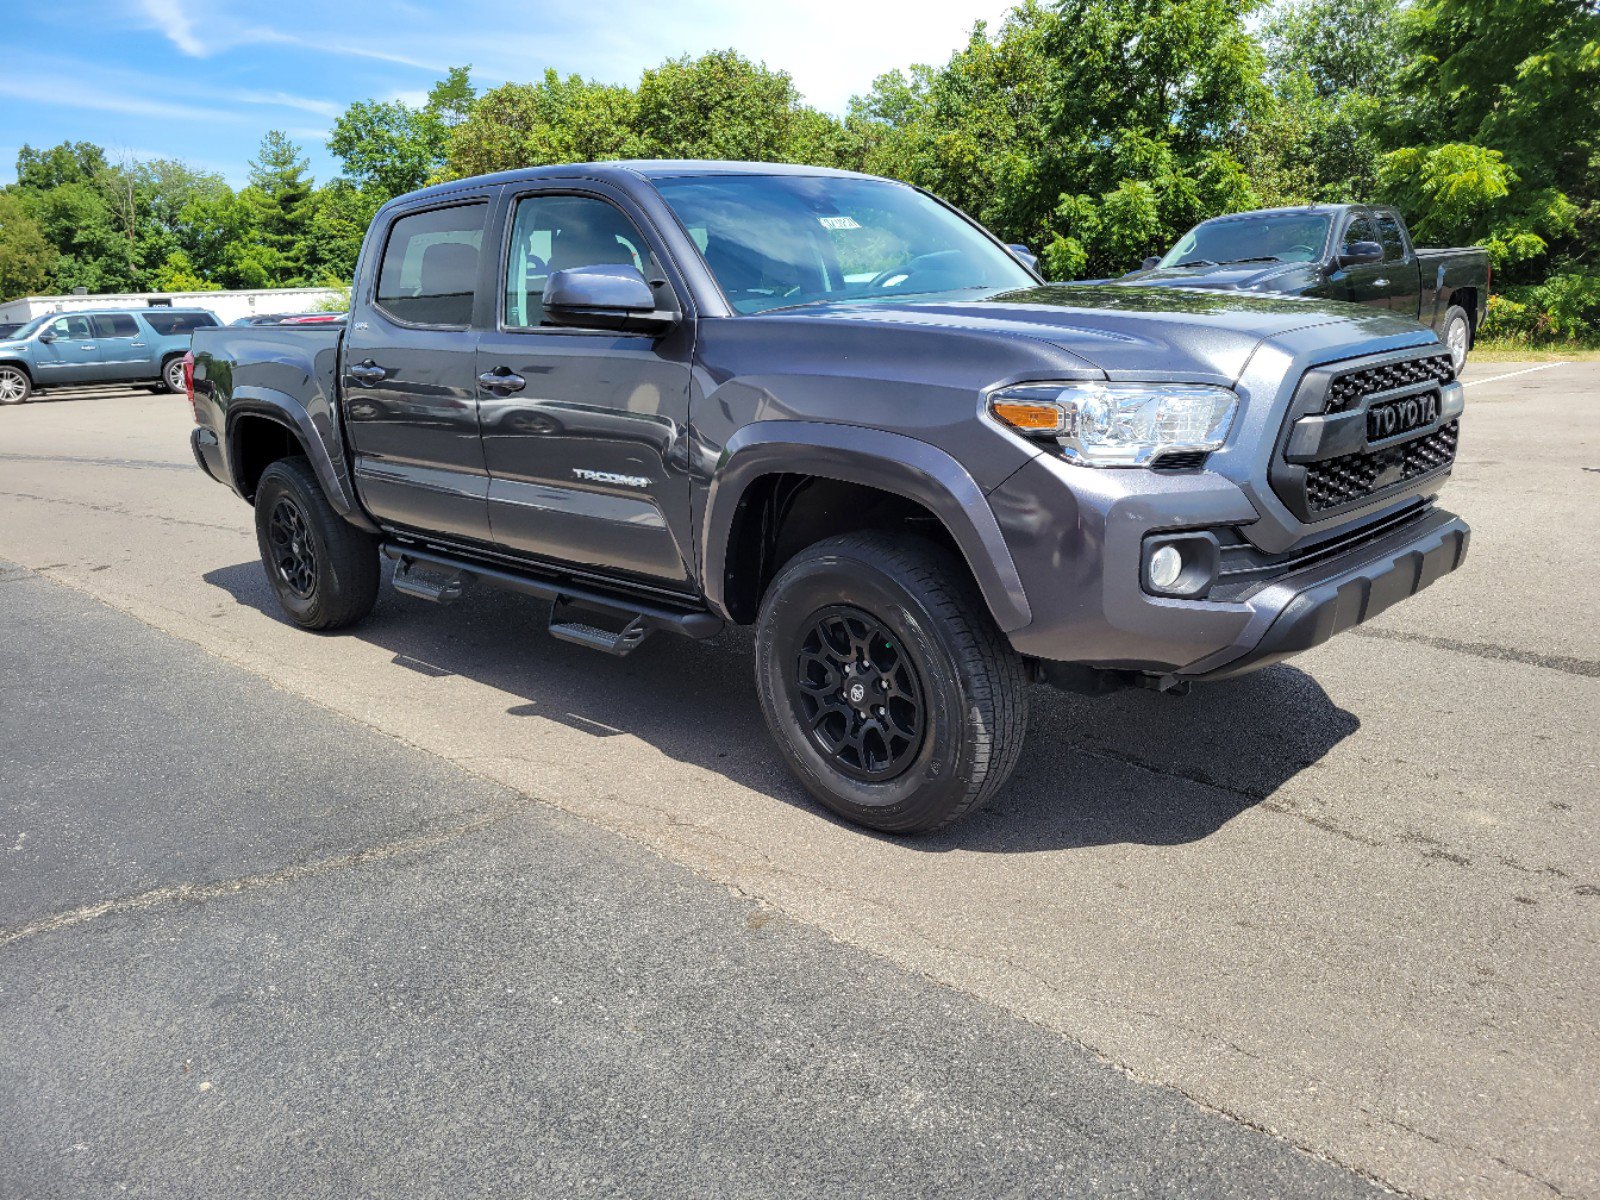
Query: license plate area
{"points": [[1392, 418]]}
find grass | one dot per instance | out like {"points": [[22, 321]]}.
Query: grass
{"points": [[1491, 351]]}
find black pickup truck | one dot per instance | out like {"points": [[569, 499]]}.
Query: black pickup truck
{"points": [[673, 396], [1353, 252]]}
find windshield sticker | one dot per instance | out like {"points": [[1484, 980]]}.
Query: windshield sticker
{"points": [[839, 222]]}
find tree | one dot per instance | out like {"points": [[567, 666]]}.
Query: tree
{"points": [[558, 119], [280, 195], [1495, 92], [390, 148], [1098, 129], [720, 105], [26, 258]]}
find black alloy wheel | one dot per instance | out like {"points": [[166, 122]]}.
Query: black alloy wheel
{"points": [[294, 556], [323, 569], [860, 693]]}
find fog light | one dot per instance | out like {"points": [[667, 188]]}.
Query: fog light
{"points": [[1166, 565], [1181, 565]]}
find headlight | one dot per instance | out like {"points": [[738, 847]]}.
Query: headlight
{"points": [[1119, 424]]}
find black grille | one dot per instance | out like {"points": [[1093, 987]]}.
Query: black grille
{"points": [[1344, 480], [1350, 389]]}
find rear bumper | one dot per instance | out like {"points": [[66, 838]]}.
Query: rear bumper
{"points": [[207, 453], [1305, 609]]}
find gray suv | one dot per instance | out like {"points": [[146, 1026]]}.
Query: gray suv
{"points": [[140, 345]]}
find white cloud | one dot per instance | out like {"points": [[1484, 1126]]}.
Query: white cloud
{"points": [[78, 94]]}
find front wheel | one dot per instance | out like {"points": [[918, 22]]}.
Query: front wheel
{"points": [[15, 386], [889, 689], [324, 570], [1457, 336]]}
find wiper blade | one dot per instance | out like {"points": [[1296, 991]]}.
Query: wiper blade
{"points": [[1197, 262], [1260, 258]]}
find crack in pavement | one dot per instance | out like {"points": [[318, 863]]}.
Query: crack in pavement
{"points": [[1552, 662], [197, 893], [159, 464], [118, 510]]}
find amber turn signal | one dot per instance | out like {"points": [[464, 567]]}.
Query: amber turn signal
{"points": [[1030, 418]]}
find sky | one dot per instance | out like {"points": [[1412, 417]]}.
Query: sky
{"points": [[202, 80]]}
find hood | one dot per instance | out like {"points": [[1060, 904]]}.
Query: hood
{"points": [[1128, 331], [1222, 275]]}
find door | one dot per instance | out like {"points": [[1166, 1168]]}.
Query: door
{"points": [[1399, 264], [408, 375], [585, 434], [125, 351], [71, 355], [1363, 283]]}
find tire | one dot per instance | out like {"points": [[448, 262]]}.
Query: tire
{"points": [[1457, 335], [324, 570], [15, 386], [949, 671], [170, 367]]}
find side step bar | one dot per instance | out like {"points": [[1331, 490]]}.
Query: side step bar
{"points": [[640, 616]]}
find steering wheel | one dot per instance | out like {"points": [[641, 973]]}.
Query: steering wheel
{"points": [[1311, 252], [922, 263]]}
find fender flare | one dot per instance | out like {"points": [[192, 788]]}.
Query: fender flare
{"points": [[286, 411], [874, 458]]}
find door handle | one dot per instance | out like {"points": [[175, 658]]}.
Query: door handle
{"points": [[137, 345], [1380, 283], [367, 373], [502, 381]]}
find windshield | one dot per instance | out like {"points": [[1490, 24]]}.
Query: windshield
{"points": [[30, 328], [1291, 237], [775, 241]]}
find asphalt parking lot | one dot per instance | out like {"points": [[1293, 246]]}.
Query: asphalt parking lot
{"points": [[457, 907]]}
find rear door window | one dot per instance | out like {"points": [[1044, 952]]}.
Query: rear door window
{"points": [[115, 326], [429, 272], [168, 324]]}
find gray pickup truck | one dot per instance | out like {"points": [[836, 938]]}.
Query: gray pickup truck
{"points": [[1353, 252], [670, 396]]}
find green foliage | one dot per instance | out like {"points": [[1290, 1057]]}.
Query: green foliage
{"points": [[26, 257], [1093, 130], [720, 105], [1516, 79], [1098, 129], [555, 120], [1563, 309]]}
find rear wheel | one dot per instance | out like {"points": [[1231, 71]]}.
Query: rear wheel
{"points": [[891, 692], [15, 386], [1457, 335], [172, 374], [324, 570]]}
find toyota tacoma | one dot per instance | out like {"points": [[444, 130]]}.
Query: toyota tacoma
{"points": [[674, 396]]}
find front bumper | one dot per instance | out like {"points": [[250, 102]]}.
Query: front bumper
{"points": [[1076, 536], [1306, 608]]}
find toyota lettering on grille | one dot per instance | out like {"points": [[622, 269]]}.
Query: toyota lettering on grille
{"points": [[1401, 416]]}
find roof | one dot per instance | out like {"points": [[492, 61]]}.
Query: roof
{"points": [[1288, 210], [115, 310], [638, 168]]}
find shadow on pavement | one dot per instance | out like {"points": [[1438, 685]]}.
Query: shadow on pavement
{"points": [[1134, 767]]}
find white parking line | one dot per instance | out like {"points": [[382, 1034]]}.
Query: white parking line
{"points": [[1466, 383]]}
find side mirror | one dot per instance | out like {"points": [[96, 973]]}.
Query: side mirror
{"points": [[1023, 255], [608, 296], [1151, 263], [47, 337], [1357, 253]]}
